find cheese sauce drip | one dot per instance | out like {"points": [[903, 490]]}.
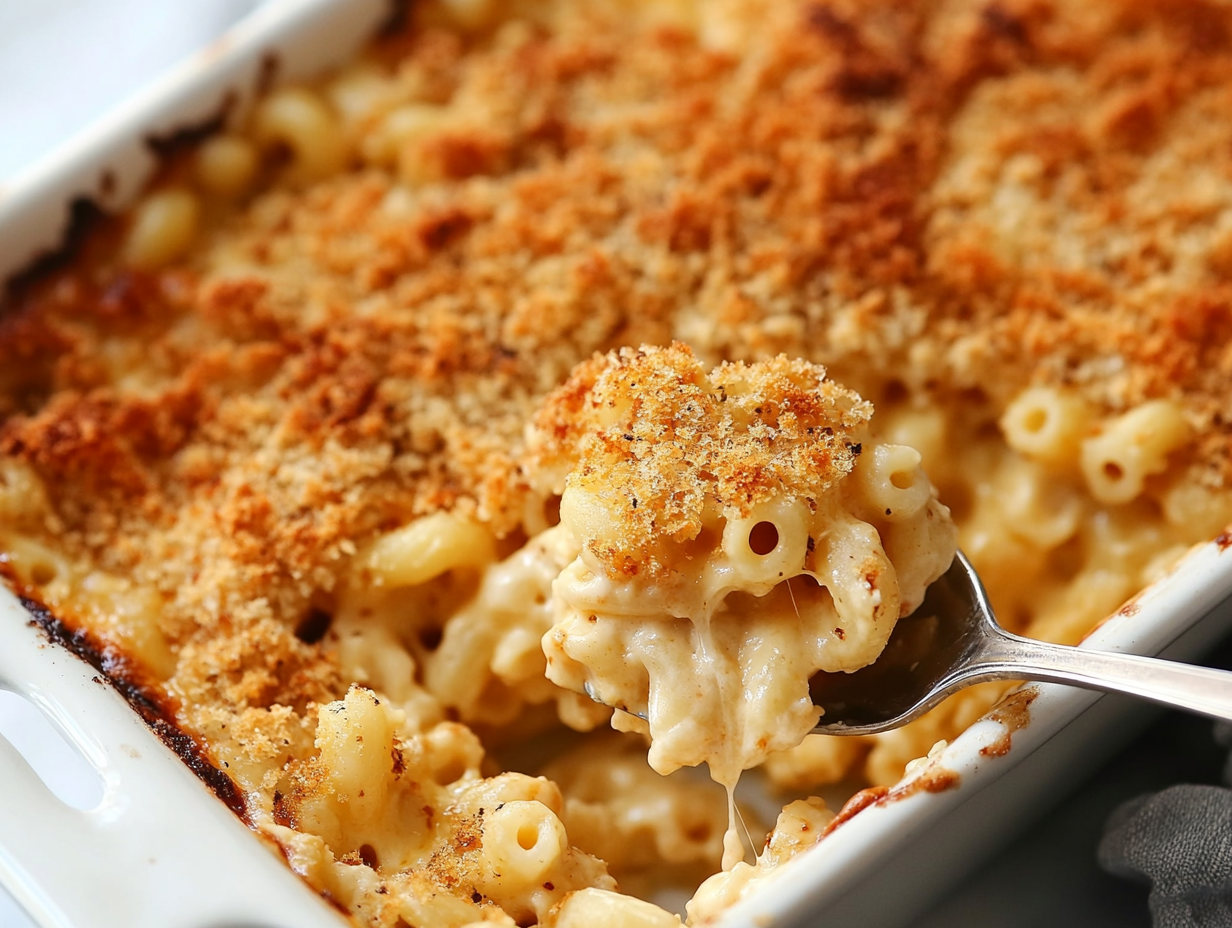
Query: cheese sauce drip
{"points": [[736, 531]]}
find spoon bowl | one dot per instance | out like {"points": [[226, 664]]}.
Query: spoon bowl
{"points": [[953, 641]]}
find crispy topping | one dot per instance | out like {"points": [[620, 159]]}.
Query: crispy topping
{"points": [[666, 444]]}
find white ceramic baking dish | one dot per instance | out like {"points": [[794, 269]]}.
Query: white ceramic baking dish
{"points": [[161, 851]]}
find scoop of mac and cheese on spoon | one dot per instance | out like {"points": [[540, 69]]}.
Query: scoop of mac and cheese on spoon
{"points": [[736, 531]]}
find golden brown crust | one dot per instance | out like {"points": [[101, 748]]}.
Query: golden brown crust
{"points": [[664, 443]]}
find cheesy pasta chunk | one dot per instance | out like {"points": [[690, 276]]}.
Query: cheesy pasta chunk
{"points": [[736, 531]]}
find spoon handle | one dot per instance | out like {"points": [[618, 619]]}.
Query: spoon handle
{"points": [[1182, 686]]}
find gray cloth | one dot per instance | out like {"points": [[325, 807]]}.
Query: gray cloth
{"points": [[1180, 840]]}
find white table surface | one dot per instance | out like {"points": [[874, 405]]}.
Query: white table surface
{"points": [[65, 62]]}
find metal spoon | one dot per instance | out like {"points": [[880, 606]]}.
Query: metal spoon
{"points": [[953, 641]]}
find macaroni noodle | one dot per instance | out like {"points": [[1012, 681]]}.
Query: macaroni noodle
{"points": [[163, 228]]}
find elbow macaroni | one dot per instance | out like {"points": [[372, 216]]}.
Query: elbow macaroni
{"points": [[163, 228], [227, 165], [600, 908], [303, 122], [1046, 424], [425, 549], [522, 841], [1130, 448]]}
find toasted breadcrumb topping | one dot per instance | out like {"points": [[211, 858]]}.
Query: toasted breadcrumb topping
{"points": [[967, 197], [665, 444]]}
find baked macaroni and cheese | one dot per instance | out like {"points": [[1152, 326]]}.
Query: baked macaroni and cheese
{"points": [[557, 347], [752, 503]]}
